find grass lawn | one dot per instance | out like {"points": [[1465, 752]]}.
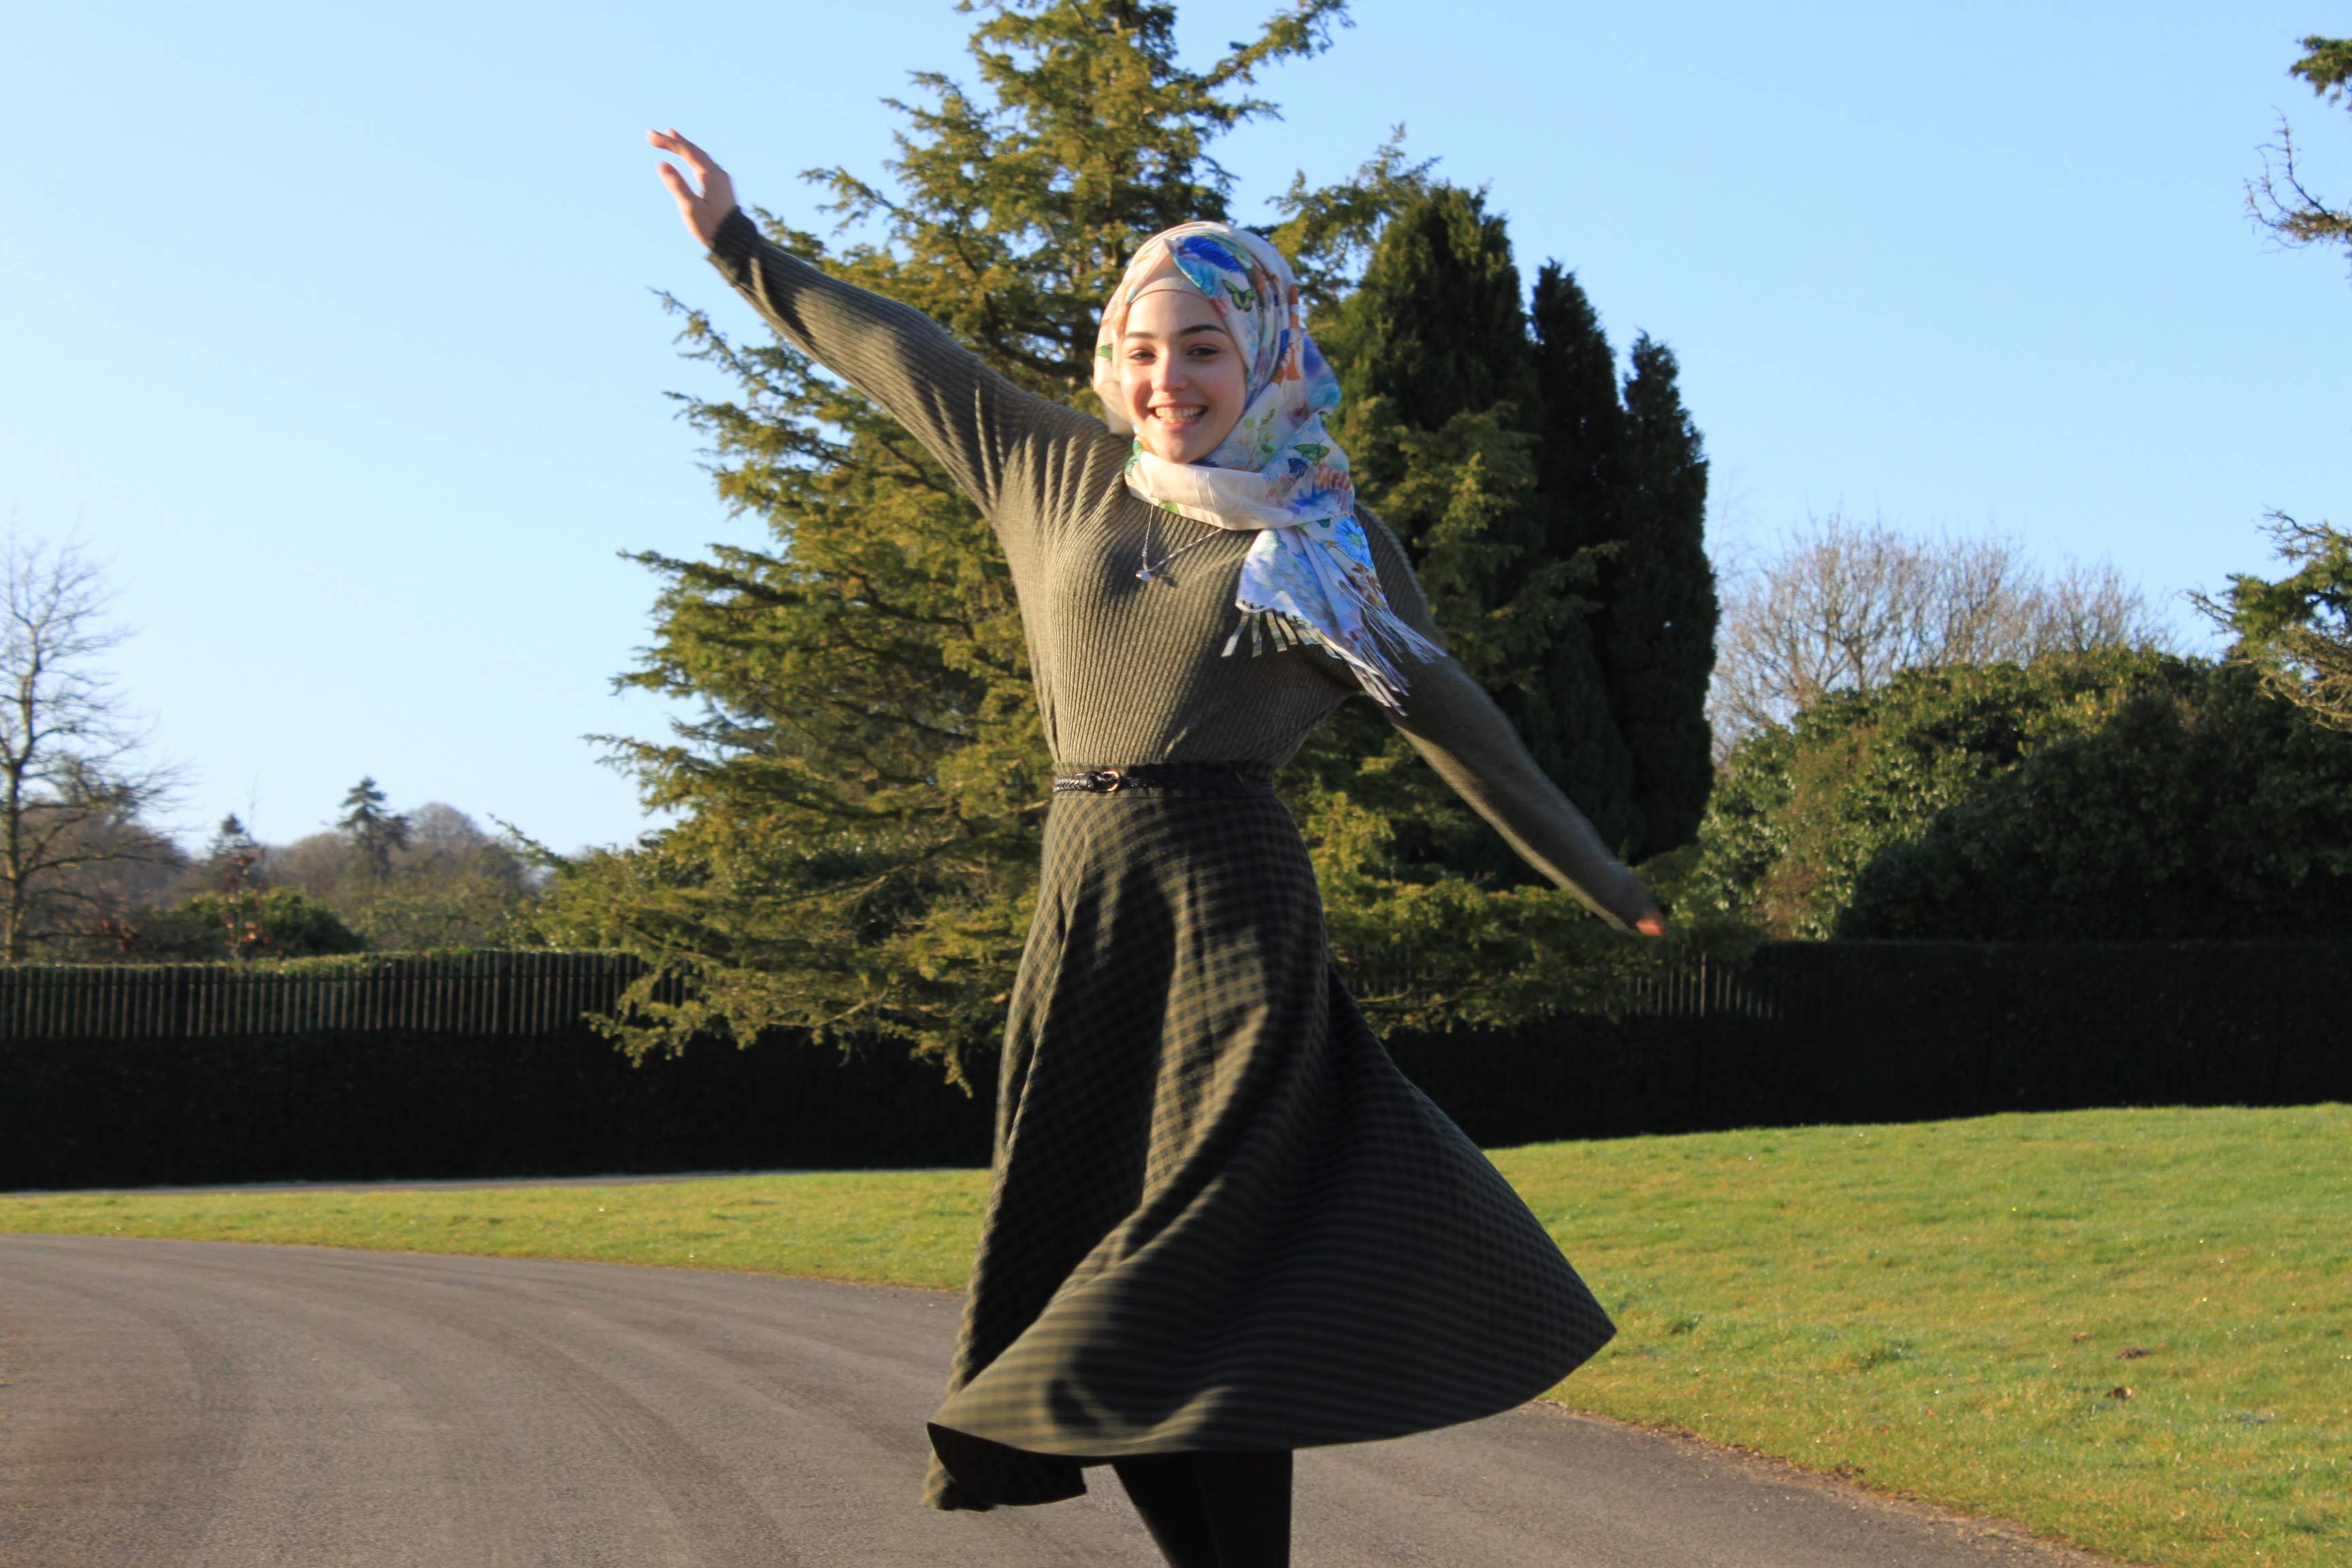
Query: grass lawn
{"points": [[2130, 1329]]}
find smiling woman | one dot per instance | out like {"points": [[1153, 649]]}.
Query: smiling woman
{"points": [[1179, 371], [1221, 1225]]}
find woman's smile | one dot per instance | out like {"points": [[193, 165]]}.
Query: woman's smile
{"points": [[1181, 378]]}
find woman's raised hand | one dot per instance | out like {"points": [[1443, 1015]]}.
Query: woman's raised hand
{"points": [[704, 211]]}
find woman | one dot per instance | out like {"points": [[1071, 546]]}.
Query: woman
{"points": [[1222, 1225]]}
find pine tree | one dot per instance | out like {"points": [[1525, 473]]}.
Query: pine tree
{"points": [[1435, 327], [234, 852], [374, 832], [1574, 733], [862, 790], [1658, 624], [1433, 347], [2279, 201], [233, 861]]}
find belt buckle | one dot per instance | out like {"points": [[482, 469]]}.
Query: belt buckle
{"points": [[1110, 781]]}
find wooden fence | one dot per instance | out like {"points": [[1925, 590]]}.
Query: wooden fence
{"points": [[1704, 988], [457, 993], [495, 994]]}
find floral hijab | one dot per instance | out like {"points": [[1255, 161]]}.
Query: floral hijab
{"points": [[1309, 578]]}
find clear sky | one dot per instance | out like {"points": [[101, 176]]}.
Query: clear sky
{"points": [[332, 329]]}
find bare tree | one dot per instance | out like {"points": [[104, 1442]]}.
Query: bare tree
{"points": [[73, 783], [1847, 607]]}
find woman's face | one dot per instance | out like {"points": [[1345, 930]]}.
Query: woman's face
{"points": [[1184, 379]]}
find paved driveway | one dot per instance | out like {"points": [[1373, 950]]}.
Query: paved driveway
{"points": [[207, 1405]]}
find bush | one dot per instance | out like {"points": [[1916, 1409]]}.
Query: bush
{"points": [[276, 923], [2120, 795], [2199, 805]]}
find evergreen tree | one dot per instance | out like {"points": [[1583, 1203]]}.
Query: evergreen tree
{"points": [[1435, 327], [372, 832], [1659, 617], [1433, 347], [1574, 733], [233, 863], [2279, 200], [233, 852], [861, 789], [1507, 501]]}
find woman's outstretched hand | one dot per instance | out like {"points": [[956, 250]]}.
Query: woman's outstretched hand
{"points": [[1650, 922], [702, 213]]}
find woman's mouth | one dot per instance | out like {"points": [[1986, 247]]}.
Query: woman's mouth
{"points": [[1178, 412]]}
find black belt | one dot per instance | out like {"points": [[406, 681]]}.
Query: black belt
{"points": [[1180, 778]]}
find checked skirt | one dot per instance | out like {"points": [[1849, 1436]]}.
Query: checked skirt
{"points": [[1220, 1218]]}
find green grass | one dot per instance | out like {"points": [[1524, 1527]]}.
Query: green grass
{"points": [[1941, 1310], [882, 1228], [1948, 1309]]}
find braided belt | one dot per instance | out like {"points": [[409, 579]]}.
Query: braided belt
{"points": [[1171, 778]]}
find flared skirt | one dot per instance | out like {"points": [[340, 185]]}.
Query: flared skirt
{"points": [[1220, 1218]]}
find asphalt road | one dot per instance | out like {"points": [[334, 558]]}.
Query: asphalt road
{"points": [[206, 1404]]}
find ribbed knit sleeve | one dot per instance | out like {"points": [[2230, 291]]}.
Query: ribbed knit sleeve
{"points": [[1454, 724], [1027, 461]]}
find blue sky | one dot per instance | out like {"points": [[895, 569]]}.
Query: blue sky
{"points": [[331, 330]]}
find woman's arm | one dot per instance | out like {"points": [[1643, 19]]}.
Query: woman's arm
{"points": [[1000, 443], [1454, 724]]}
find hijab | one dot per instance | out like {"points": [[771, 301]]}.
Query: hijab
{"points": [[1308, 576]]}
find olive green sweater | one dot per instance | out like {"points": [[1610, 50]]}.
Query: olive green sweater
{"points": [[1131, 671]]}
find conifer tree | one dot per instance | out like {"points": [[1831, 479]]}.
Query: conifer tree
{"points": [[1574, 733], [374, 832], [1658, 622], [1435, 327], [1433, 347], [861, 792]]}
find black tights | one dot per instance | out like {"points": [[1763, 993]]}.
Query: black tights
{"points": [[1213, 1510]]}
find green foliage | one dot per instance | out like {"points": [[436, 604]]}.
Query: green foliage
{"points": [[1435, 327], [1573, 731], [1436, 923], [860, 789], [2278, 200], [862, 792], [428, 909], [2326, 65], [1658, 605], [2190, 805], [436, 881], [2113, 795], [2297, 630], [1432, 344], [1423, 946], [1556, 520], [376, 834], [275, 922]]}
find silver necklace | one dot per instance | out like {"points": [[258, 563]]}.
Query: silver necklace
{"points": [[1145, 570]]}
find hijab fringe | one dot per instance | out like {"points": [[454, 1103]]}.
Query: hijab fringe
{"points": [[1373, 662]]}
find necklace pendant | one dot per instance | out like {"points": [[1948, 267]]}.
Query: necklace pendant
{"points": [[1143, 574]]}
